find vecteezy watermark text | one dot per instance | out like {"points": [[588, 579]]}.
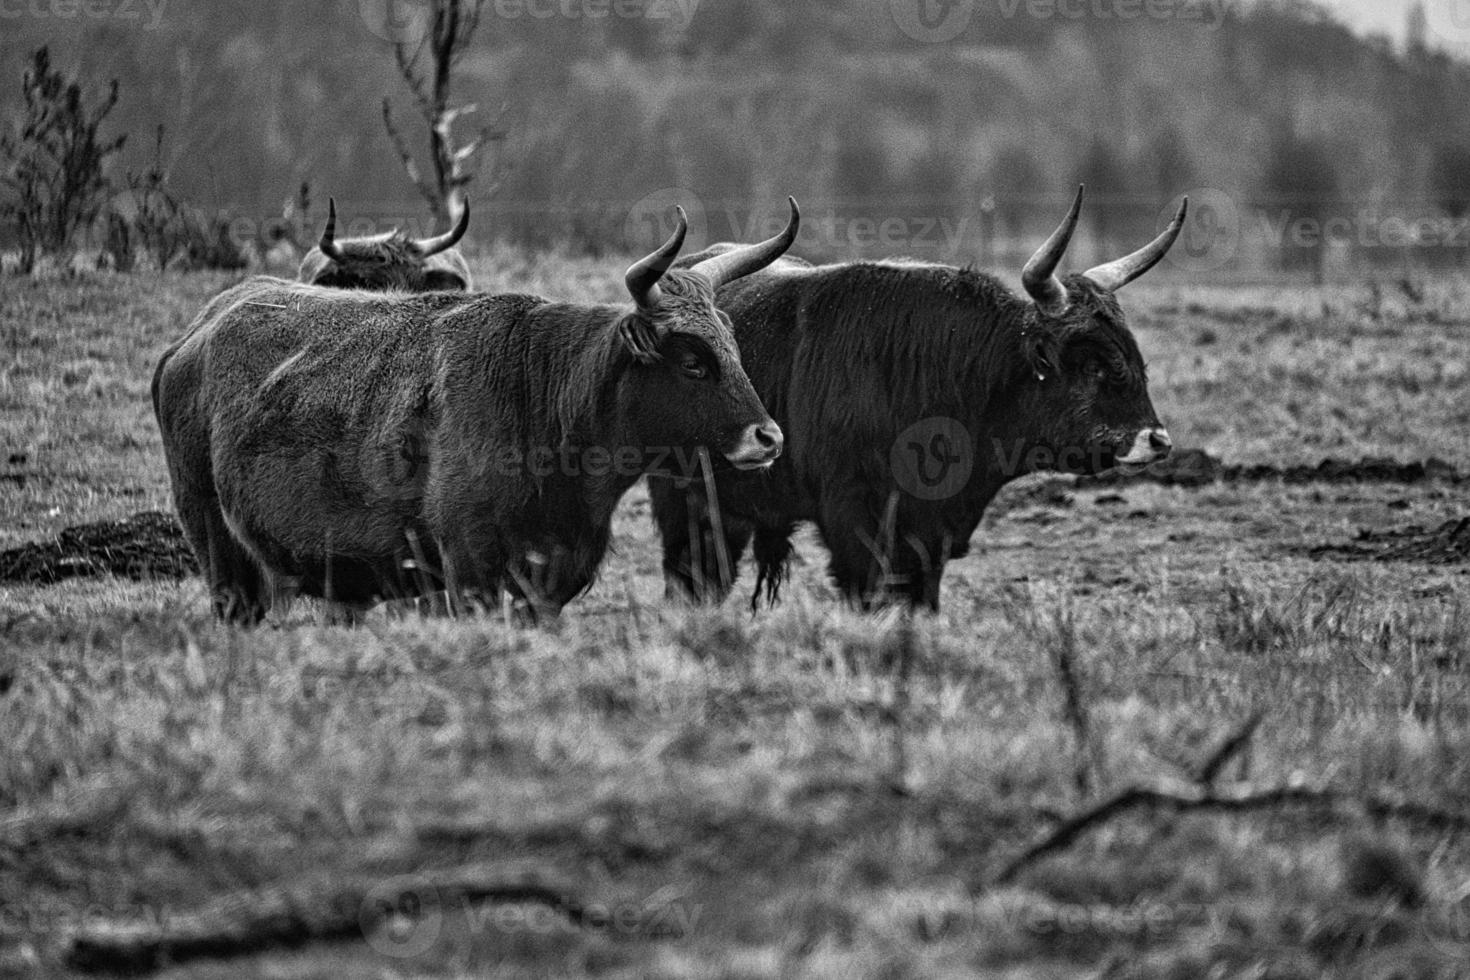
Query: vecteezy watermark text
{"points": [[1220, 229], [147, 14], [937, 21], [650, 221], [1210, 13], [678, 13], [405, 916]]}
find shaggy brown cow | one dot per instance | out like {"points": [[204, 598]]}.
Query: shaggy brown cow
{"points": [[357, 446], [910, 394], [388, 261]]}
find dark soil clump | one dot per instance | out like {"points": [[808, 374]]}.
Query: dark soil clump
{"points": [[146, 545]]}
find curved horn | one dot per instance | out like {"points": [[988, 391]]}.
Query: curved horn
{"points": [[731, 265], [328, 242], [1040, 274], [432, 246], [642, 276], [1120, 272]]}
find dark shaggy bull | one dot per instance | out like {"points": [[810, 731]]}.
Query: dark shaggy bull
{"points": [[356, 447], [388, 261], [909, 395]]}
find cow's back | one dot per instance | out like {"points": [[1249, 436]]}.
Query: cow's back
{"points": [[315, 408]]}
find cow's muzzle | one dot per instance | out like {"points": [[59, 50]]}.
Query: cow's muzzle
{"points": [[758, 447], [1149, 446]]}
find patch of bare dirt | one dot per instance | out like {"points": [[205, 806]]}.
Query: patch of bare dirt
{"points": [[146, 545], [1448, 544], [1195, 468]]}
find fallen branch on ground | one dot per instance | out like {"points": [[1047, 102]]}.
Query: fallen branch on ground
{"points": [[1177, 796], [257, 921]]}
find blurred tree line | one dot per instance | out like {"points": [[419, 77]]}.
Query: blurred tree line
{"points": [[1298, 123]]}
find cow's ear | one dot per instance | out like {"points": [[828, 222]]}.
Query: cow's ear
{"points": [[1041, 353], [640, 336]]}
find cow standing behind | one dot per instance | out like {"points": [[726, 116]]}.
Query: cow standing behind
{"points": [[388, 261], [356, 446], [910, 394]]}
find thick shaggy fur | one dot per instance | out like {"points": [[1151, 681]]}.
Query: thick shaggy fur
{"points": [[359, 446], [386, 262], [847, 358]]}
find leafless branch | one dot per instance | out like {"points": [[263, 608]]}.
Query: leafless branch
{"points": [[255, 921], [406, 156], [451, 31], [1228, 749], [407, 68], [1179, 797]]}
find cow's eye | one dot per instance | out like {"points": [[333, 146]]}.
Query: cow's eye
{"points": [[693, 367], [1099, 370]]}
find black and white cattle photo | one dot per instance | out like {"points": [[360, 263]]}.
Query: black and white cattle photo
{"points": [[457, 521]]}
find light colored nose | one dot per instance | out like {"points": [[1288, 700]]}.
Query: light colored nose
{"points": [[759, 446], [769, 437], [1149, 446]]}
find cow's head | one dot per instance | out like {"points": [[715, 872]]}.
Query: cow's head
{"points": [[388, 261], [1085, 377], [685, 387]]}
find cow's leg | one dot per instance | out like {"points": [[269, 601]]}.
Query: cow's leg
{"points": [[694, 566], [916, 573], [860, 562], [236, 584]]}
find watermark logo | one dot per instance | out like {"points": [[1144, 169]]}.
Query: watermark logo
{"points": [[1211, 234], [1449, 20], [147, 14], [400, 21], [933, 458], [1207, 13], [677, 14], [932, 21], [398, 468], [402, 917], [652, 219], [1448, 929]]}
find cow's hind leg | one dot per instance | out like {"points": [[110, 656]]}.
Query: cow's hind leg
{"points": [[237, 586], [869, 577]]}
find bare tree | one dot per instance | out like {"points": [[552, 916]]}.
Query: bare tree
{"points": [[454, 167], [55, 161]]}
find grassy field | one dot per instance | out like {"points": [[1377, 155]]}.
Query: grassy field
{"points": [[652, 791]]}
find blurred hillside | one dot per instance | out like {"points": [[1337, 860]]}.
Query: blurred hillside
{"points": [[966, 148]]}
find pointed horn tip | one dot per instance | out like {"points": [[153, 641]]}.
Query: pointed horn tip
{"points": [[328, 242]]}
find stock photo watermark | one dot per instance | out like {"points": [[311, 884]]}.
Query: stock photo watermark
{"points": [[1220, 229], [933, 459], [936, 458], [944, 906], [407, 916], [147, 14], [938, 21], [652, 219], [408, 21], [1449, 20], [674, 13]]}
